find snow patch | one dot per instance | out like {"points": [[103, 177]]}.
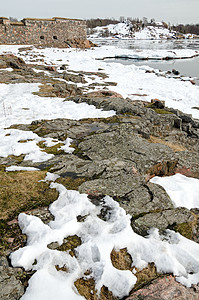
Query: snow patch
{"points": [[18, 168], [183, 191], [20, 106]]}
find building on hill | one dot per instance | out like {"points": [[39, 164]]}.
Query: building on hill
{"points": [[55, 32]]}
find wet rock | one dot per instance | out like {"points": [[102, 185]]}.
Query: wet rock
{"points": [[186, 118]]}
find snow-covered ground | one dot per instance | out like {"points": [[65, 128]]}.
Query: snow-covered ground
{"points": [[125, 30], [132, 81], [20, 106], [150, 32], [172, 253]]}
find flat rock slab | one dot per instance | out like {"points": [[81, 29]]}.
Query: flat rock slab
{"points": [[166, 288], [10, 287]]}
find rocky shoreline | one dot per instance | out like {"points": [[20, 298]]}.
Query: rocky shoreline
{"points": [[115, 156]]}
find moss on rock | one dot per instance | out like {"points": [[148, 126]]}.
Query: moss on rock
{"points": [[53, 149], [121, 259], [22, 190], [185, 229], [86, 288], [145, 276], [71, 183]]}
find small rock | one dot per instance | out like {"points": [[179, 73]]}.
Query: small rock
{"points": [[193, 82], [51, 68], [12, 222], [175, 72], [158, 103], [63, 67]]}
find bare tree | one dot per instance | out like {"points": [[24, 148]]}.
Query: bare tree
{"points": [[13, 19], [145, 21], [122, 19]]}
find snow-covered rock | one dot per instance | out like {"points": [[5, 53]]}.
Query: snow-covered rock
{"points": [[126, 30]]}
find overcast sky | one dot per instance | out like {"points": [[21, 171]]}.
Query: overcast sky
{"points": [[174, 11]]}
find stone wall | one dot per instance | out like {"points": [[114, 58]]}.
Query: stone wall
{"points": [[55, 32]]}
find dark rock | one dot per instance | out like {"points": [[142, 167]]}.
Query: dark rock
{"points": [[186, 118], [178, 123], [158, 103], [63, 67], [175, 72]]}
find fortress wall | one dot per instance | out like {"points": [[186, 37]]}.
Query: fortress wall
{"points": [[54, 32], [3, 37]]}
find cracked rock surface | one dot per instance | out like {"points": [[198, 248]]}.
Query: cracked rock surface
{"points": [[116, 156]]}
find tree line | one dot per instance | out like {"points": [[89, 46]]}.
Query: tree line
{"points": [[188, 28]]}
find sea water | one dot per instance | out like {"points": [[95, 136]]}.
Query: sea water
{"points": [[186, 67]]}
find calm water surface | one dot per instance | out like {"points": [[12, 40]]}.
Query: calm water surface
{"points": [[186, 67]]}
